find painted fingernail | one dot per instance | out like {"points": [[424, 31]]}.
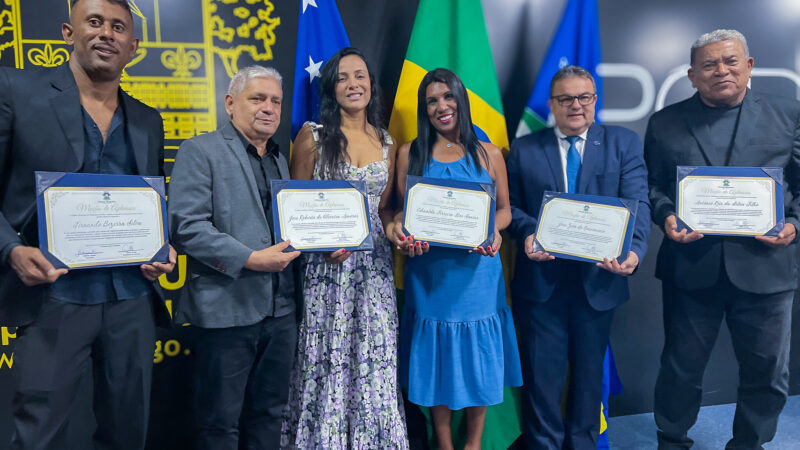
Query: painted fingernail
{"points": [[402, 238], [419, 244], [426, 244]]}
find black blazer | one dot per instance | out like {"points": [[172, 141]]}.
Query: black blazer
{"points": [[41, 128], [768, 135]]}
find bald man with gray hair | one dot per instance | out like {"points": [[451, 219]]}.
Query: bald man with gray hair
{"points": [[747, 281], [240, 294]]}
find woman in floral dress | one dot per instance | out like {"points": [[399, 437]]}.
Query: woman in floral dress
{"points": [[344, 391]]}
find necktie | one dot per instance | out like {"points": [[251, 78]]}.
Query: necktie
{"points": [[573, 164]]}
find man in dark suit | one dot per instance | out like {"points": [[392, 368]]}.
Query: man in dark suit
{"points": [[75, 118], [748, 281], [241, 290], [564, 308]]}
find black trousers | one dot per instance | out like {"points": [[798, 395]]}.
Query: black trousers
{"points": [[242, 383], [51, 354], [760, 328], [563, 330]]}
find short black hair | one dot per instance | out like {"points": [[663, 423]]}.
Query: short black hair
{"points": [[123, 3]]}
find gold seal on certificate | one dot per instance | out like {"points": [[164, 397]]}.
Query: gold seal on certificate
{"points": [[449, 213], [729, 200], [96, 220], [321, 215], [584, 227]]}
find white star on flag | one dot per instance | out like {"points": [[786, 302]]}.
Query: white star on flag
{"points": [[313, 67], [309, 2]]}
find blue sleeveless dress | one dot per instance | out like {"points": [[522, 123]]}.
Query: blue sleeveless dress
{"points": [[458, 346]]}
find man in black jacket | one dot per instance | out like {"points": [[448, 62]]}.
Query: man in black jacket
{"points": [[75, 118], [748, 281]]}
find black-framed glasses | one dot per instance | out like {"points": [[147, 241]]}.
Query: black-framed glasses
{"points": [[566, 100]]}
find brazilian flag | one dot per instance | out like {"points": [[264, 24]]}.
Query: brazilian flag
{"points": [[452, 34]]}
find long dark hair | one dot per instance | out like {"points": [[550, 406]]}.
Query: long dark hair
{"points": [[333, 141], [422, 147]]}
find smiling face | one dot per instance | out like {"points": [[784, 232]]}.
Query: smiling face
{"points": [[574, 118], [101, 34], [720, 72], [352, 84], [442, 108], [256, 111]]}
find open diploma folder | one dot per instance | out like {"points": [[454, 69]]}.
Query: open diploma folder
{"points": [[585, 227], [91, 220], [449, 213], [321, 215], [730, 201]]}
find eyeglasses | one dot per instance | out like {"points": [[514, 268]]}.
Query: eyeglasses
{"points": [[566, 100]]}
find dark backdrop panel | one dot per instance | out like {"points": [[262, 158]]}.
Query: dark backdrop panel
{"points": [[653, 36]]}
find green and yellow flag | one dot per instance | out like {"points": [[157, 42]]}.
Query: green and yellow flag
{"points": [[452, 34]]}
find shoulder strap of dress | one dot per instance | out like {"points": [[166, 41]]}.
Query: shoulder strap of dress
{"points": [[387, 141], [314, 127]]}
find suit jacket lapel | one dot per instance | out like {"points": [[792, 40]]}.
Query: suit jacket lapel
{"points": [[283, 168], [137, 135], [235, 146], [699, 128], [66, 106], [553, 156], [748, 116], [592, 156]]}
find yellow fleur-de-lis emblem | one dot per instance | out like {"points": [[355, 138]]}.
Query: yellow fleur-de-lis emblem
{"points": [[182, 62], [47, 57]]}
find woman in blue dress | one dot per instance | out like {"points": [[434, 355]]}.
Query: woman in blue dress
{"points": [[458, 345]]}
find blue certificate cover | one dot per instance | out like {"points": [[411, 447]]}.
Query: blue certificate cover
{"points": [[730, 201], [321, 215], [585, 227], [449, 213], [90, 220]]}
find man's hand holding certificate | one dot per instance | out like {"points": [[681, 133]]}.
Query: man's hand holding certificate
{"points": [[321, 215], [100, 220], [585, 228], [730, 201]]}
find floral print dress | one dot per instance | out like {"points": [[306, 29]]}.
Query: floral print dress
{"points": [[344, 392]]}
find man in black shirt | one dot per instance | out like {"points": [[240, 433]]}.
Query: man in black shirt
{"points": [[75, 118], [748, 281], [241, 289]]}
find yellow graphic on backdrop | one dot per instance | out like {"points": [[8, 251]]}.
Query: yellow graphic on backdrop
{"points": [[234, 39]]}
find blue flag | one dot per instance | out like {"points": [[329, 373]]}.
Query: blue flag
{"points": [[320, 34], [577, 41]]}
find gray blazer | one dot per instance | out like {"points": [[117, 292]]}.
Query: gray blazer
{"points": [[216, 218]]}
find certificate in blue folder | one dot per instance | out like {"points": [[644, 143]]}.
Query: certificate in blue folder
{"points": [[99, 220], [321, 215], [449, 213], [730, 201], [585, 227]]}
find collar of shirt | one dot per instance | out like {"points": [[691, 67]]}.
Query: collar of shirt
{"points": [[563, 147], [272, 147]]}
